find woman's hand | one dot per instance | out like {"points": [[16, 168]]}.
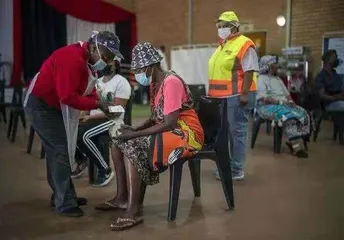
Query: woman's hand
{"points": [[104, 106], [85, 118], [270, 100], [127, 127], [291, 104], [126, 134]]}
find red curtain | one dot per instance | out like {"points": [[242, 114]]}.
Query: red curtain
{"points": [[91, 10], [95, 11], [88, 10]]}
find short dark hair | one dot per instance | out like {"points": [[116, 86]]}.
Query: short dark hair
{"points": [[326, 56], [162, 47]]}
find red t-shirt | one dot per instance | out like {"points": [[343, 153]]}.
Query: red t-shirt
{"points": [[63, 79]]}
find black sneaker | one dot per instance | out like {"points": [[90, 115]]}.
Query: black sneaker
{"points": [[103, 179], [79, 170], [72, 212]]}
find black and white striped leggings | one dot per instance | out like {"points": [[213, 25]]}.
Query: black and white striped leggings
{"points": [[89, 134]]}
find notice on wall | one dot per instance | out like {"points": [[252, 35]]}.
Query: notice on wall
{"points": [[338, 45]]}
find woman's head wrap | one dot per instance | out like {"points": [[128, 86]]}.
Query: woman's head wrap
{"points": [[265, 63]]}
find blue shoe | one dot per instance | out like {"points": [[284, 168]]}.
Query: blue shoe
{"points": [[103, 180]]}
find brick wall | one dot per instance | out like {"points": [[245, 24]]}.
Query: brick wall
{"points": [[311, 19], [165, 22]]}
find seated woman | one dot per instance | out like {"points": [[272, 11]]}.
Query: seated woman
{"points": [[140, 154], [274, 103], [95, 124]]}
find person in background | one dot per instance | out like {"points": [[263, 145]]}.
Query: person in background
{"points": [[329, 84], [275, 103], [95, 124], [231, 74], [63, 86], [141, 153], [163, 62]]}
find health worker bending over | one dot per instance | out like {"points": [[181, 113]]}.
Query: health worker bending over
{"points": [[63, 86]]}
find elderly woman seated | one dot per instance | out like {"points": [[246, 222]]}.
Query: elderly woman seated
{"points": [[274, 103], [172, 132]]}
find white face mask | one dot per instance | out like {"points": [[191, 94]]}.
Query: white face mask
{"points": [[100, 64], [224, 33]]}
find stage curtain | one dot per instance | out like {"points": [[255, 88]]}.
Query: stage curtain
{"points": [[43, 31], [81, 30], [98, 12]]}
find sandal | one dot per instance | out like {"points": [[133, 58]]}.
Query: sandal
{"points": [[301, 154], [108, 206], [122, 223]]}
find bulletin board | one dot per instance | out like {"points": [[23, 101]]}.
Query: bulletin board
{"points": [[335, 41], [259, 39]]}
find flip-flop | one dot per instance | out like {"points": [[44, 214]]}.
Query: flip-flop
{"points": [[108, 206], [121, 223]]}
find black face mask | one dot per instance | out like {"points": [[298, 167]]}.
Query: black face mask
{"points": [[107, 71], [335, 63]]}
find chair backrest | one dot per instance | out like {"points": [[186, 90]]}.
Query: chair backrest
{"points": [[2, 91], [17, 97], [197, 91], [210, 116], [128, 109]]}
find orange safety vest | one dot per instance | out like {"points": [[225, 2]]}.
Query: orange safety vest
{"points": [[225, 72]]}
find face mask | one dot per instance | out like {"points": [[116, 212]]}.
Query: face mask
{"points": [[100, 64], [107, 71], [337, 63], [142, 78], [224, 33]]}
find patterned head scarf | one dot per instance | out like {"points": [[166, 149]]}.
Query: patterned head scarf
{"points": [[144, 54], [107, 40], [265, 63]]}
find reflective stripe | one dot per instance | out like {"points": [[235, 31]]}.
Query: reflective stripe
{"points": [[218, 86]]}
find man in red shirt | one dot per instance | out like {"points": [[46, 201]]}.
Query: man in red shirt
{"points": [[63, 86]]}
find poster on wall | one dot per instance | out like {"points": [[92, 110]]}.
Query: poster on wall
{"points": [[338, 45], [259, 39]]}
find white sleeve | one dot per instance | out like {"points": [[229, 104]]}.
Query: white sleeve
{"points": [[123, 89], [250, 60]]}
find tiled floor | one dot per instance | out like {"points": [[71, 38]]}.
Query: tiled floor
{"points": [[281, 198]]}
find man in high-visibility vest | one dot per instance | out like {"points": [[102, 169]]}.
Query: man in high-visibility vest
{"points": [[232, 74]]}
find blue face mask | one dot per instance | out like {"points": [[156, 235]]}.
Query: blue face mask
{"points": [[100, 64], [142, 78]]}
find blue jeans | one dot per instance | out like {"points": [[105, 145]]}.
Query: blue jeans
{"points": [[48, 123], [237, 129], [337, 106]]}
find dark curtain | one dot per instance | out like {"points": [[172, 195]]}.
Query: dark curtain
{"points": [[43, 31], [125, 37]]}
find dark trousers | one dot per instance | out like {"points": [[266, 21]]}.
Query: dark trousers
{"points": [[48, 123], [92, 136]]}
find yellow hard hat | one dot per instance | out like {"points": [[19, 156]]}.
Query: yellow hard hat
{"points": [[228, 16]]}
